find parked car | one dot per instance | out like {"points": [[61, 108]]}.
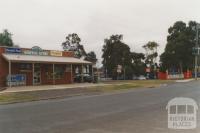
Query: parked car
{"points": [[141, 77], [86, 78]]}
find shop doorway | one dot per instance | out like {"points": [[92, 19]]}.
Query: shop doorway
{"points": [[37, 74]]}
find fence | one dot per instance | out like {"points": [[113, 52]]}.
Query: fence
{"points": [[185, 75]]}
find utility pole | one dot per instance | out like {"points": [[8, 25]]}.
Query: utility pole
{"points": [[124, 69], [197, 48], [106, 74], [105, 71]]}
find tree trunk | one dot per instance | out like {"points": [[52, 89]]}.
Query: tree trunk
{"points": [[181, 67]]}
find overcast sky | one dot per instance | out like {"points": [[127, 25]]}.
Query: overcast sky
{"points": [[47, 22]]}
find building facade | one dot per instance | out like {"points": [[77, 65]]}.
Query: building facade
{"points": [[35, 66]]}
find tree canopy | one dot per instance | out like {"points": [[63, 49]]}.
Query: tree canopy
{"points": [[151, 52], [138, 63], [91, 56], [72, 43], [178, 51], [115, 52], [6, 39]]}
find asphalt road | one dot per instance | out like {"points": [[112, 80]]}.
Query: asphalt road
{"points": [[135, 111]]}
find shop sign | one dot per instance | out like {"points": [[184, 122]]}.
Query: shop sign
{"points": [[35, 51], [148, 70], [55, 53], [13, 50], [17, 79]]}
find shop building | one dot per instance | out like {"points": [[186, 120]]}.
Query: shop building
{"points": [[35, 66]]}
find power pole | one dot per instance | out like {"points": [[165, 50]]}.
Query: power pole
{"points": [[124, 69], [197, 48]]}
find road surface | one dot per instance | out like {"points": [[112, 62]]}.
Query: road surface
{"points": [[135, 111]]}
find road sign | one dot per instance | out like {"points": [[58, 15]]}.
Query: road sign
{"points": [[196, 50], [119, 71], [148, 70], [119, 68]]}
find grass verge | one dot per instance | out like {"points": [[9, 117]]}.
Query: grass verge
{"points": [[110, 86]]}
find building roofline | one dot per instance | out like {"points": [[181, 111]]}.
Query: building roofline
{"points": [[38, 46]]}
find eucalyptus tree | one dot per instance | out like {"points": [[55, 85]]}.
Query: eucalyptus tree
{"points": [[178, 51], [116, 52], [72, 43], [6, 39]]}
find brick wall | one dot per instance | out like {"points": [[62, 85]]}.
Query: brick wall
{"points": [[66, 79], [15, 69], [3, 68]]}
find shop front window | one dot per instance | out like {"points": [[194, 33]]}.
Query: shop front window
{"points": [[59, 72], [25, 67], [49, 71]]}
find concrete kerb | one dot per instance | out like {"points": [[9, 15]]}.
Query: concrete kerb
{"points": [[48, 87], [185, 80]]}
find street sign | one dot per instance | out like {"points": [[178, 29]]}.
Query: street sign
{"points": [[119, 68], [196, 50], [119, 71], [148, 70]]}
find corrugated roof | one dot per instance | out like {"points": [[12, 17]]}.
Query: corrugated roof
{"points": [[47, 59]]}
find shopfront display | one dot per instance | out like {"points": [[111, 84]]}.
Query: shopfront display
{"points": [[16, 80], [59, 71], [37, 74]]}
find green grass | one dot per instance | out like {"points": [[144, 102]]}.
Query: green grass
{"points": [[111, 86], [15, 97], [131, 84]]}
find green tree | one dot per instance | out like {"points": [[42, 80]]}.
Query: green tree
{"points": [[178, 51], [91, 56], [115, 52], [151, 52], [72, 43], [138, 64], [6, 39]]}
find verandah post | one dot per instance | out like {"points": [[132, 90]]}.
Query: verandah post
{"points": [[82, 74], [9, 73], [71, 74], [33, 69], [53, 74]]}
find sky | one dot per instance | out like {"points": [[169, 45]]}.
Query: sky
{"points": [[46, 23]]}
